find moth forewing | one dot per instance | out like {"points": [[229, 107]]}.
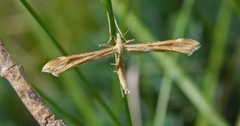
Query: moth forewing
{"points": [[182, 45], [61, 64]]}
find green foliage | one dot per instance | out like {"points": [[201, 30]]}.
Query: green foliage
{"points": [[202, 89]]}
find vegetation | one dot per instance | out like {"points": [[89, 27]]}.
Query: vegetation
{"points": [[170, 89]]}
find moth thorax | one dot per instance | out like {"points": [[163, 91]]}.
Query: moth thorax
{"points": [[120, 45]]}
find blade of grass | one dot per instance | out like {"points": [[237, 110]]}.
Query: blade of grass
{"points": [[129, 121], [61, 113], [111, 18], [116, 98], [86, 82], [112, 29], [165, 88], [185, 83], [162, 103], [217, 54], [43, 26], [71, 85], [218, 49]]}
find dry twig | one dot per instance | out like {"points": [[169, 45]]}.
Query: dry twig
{"points": [[14, 74]]}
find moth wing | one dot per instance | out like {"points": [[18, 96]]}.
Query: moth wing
{"points": [[61, 64], [182, 45]]}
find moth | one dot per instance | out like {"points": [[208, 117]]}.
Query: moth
{"points": [[63, 63]]}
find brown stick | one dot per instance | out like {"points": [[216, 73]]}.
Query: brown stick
{"points": [[14, 74]]}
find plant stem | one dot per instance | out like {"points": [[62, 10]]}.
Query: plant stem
{"points": [[111, 18], [112, 30]]}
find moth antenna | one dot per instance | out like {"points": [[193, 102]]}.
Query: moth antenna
{"points": [[119, 31], [129, 26], [117, 26]]}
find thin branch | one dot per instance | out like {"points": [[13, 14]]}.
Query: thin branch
{"points": [[14, 74]]}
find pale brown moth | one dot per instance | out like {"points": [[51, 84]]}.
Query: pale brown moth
{"points": [[61, 64]]}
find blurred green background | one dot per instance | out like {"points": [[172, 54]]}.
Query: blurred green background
{"points": [[166, 89]]}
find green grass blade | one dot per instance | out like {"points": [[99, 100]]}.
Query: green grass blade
{"points": [[179, 31], [86, 82], [43, 26], [129, 121], [217, 54], [62, 113], [112, 28], [111, 18]]}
